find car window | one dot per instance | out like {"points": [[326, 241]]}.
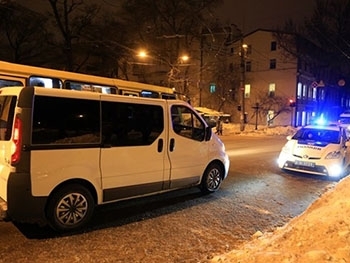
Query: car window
{"points": [[186, 123], [344, 120], [329, 136]]}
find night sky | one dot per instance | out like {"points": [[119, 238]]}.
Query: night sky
{"points": [[249, 15]]}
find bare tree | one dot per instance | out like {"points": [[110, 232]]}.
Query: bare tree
{"points": [[271, 107], [74, 19], [23, 34], [323, 41], [168, 29]]}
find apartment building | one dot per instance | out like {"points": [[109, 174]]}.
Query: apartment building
{"points": [[279, 88]]}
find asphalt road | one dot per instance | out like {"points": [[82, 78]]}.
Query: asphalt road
{"points": [[182, 226]]}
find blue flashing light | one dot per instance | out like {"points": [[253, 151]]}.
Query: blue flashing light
{"points": [[321, 121]]}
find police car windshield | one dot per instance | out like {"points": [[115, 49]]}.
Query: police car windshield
{"points": [[320, 135], [344, 120]]}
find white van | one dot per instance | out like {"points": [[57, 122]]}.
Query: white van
{"points": [[63, 152]]}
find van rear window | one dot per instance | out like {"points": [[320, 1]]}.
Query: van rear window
{"points": [[65, 121], [7, 111]]}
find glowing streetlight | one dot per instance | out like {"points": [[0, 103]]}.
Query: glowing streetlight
{"points": [[142, 54], [184, 58]]}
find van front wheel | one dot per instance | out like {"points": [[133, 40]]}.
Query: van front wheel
{"points": [[70, 208], [212, 178]]}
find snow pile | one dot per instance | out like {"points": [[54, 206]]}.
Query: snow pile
{"points": [[320, 234], [249, 129]]}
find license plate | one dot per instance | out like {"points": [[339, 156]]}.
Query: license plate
{"points": [[303, 163]]}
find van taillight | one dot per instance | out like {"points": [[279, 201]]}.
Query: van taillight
{"points": [[17, 140]]}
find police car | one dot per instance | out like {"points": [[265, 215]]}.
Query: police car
{"points": [[318, 150]]}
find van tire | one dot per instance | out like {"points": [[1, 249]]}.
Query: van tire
{"points": [[212, 178], [70, 208]]}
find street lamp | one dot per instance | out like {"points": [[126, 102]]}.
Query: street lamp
{"points": [[184, 58], [242, 83], [142, 54]]}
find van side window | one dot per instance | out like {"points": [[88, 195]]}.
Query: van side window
{"points": [[10, 83], [186, 123], [65, 121], [131, 124]]}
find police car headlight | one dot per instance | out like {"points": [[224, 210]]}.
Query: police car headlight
{"points": [[333, 155], [286, 149], [335, 170]]}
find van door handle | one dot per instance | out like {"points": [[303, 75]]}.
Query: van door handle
{"points": [[160, 145], [172, 144]]}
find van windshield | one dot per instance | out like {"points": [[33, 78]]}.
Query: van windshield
{"points": [[7, 110]]}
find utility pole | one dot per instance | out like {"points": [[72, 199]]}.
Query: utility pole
{"points": [[242, 85], [201, 69]]}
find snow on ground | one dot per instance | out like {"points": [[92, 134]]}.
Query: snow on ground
{"points": [[249, 129], [320, 234]]}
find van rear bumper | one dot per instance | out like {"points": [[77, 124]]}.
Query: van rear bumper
{"points": [[3, 211]]}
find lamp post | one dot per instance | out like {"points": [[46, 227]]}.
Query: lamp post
{"points": [[242, 84]]}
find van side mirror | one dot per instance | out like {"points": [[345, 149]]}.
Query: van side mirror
{"points": [[208, 133], [211, 123]]}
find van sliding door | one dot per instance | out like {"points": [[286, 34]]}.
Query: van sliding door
{"points": [[133, 154]]}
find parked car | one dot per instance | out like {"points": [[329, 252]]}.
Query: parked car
{"points": [[318, 150]]}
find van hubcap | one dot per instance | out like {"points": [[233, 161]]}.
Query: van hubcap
{"points": [[72, 209], [214, 179]]}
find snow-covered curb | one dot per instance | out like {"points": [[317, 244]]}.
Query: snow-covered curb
{"points": [[320, 234]]}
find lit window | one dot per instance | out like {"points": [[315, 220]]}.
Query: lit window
{"points": [[45, 82], [304, 91], [300, 89], [270, 115], [212, 87], [272, 89], [247, 91]]}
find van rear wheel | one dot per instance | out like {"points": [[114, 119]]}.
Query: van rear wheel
{"points": [[212, 178], [70, 208]]}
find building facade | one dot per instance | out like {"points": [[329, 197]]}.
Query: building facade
{"points": [[279, 88], [250, 77]]}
